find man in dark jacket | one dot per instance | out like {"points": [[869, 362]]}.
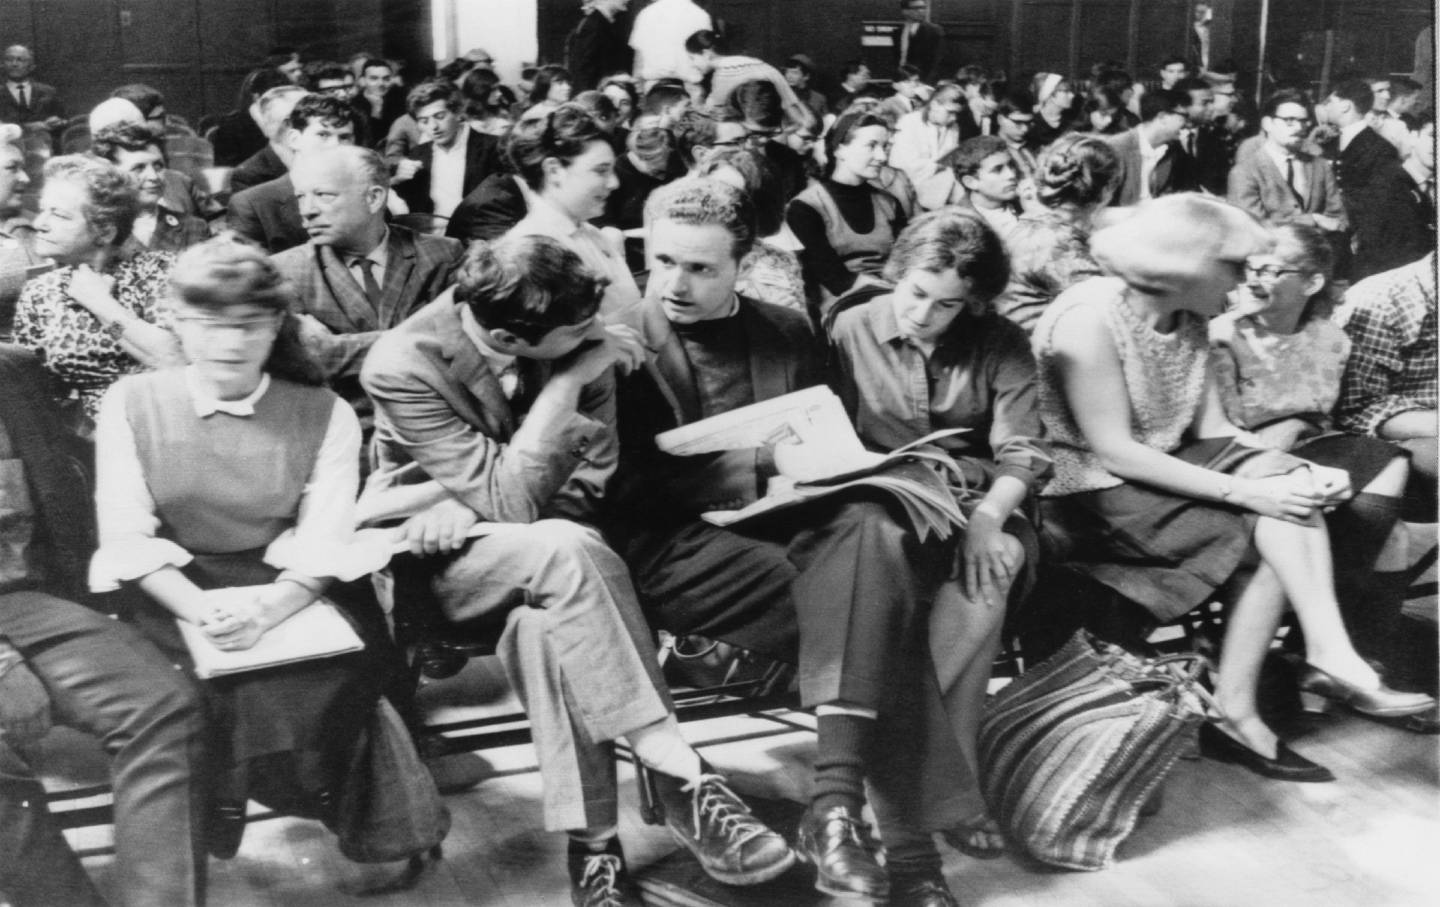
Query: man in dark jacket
{"points": [[599, 46]]}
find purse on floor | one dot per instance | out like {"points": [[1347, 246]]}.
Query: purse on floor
{"points": [[1073, 748]]}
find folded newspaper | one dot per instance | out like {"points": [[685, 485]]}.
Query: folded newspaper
{"points": [[317, 630], [922, 480]]}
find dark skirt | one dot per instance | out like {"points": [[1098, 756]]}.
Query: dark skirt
{"points": [[1165, 552], [1364, 458], [282, 736]]}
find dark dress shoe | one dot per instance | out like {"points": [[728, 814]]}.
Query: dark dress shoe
{"points": [[922, 888], [1287, 765], [600, 879], [227, 827], [838, 844]]}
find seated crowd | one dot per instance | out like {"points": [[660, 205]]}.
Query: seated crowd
{"points": [[1189, 363]]}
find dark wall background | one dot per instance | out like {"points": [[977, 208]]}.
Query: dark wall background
{"points": [[196, 51]]}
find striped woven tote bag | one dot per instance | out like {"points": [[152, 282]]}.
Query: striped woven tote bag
{"points": [[1072, 748]]}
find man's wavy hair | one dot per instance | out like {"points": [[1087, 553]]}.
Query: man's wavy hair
{"points": [[699, 201], [951, 241], [527, 285]]}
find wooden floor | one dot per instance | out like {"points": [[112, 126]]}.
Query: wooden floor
{"points": [[1225, 838]]}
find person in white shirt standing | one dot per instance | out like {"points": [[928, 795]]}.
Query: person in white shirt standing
{"points": [[658, 39]]}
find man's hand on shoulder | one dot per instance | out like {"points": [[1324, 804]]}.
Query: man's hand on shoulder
{"points": [[438, 529]]}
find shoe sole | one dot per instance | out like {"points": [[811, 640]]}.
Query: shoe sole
{"points": [[753, 877], [847, 894]]}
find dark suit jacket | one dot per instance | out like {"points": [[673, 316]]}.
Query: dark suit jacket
{"points": [[965, 122], [419, 268], [1170, 172], [595, 49], [261, 167], [482, 158], [44, 103], [1389, 228], [496, 205], [656, 486], [268, 215], [440, 414], [374, 130], [1258, 185], [925, 49], [174, 232]]}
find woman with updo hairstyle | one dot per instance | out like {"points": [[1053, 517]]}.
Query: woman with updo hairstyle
{"points": [[769, 272], [1049, 245], [97, 316], [226, 501], [1159, 497], [846, 225], [569, 164], [1278, 361], [933, 327]]}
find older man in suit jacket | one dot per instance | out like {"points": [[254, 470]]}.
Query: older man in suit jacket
{"points": [[1276, 181], [25, 101], [1152, 163], [452, 159], [357, 276]]}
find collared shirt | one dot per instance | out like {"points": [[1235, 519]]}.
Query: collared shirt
{"points": [[447, 174], [1149, 159], [622, 294], [379, 258], [1390, 318], [1348, 133], [981, 376], [321, 543], [1280, 156], [14, 89], [502, 365]]}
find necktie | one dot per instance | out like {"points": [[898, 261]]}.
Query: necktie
{"points": [[372, 289], [24, 103], [1290, 181]]}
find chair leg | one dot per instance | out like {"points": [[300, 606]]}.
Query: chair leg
{"points": [[652, 809]]}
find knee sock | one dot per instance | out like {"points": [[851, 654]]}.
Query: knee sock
{"points": [[842, 753], [662, 747]]}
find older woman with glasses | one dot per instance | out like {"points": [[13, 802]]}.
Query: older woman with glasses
{"points": [[1159, 497], [1278, 359], [97, 316]]}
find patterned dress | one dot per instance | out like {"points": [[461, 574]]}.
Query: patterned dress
{"points": [[72, 342]]}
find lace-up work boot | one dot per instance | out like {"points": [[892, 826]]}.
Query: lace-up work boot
{"points": [[717, 827], [601, 879]]}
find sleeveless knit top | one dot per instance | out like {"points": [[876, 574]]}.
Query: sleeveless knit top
{"points": [[863, 253], [1164, 379], [225, 484]]}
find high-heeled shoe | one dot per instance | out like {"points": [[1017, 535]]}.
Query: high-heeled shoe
{"points": [[1319, 689], [1287, 765]]}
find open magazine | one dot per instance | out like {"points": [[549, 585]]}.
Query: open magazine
{"points": [[921, 480]]}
